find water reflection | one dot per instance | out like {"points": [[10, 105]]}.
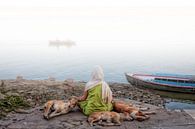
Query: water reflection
{"points": [[180, 105], [61, 43], [175, 95]]}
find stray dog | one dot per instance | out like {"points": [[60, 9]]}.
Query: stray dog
{"points": [[134, 112], [54, 108], [112, 118]]}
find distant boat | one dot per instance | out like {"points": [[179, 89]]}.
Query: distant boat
{"points": [[165, 82], [62, 43]]}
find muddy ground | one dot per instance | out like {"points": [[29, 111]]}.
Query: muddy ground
{"points": [[33, 119], [26, 98]]}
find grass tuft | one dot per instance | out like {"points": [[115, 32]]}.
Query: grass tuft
{"points": [[10, 103]]}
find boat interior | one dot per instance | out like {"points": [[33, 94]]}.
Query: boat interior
{"points": [[174, 82], [169, 80]]}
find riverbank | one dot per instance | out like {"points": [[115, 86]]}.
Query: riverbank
{"points": [[23, 100], [31, 93], [33, 119]]}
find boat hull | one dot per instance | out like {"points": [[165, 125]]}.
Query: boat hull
{"points": [[146, 84]]}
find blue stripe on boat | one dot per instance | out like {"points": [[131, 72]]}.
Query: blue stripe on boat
{"points": [[173, 83]]}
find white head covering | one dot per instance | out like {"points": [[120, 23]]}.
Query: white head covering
{"points": [[97, 77]]}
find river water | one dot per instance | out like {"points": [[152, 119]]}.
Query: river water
{"points": [[40, 60]]}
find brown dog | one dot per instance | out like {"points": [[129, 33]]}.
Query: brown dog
{"points": [[112, 118], [134, 112], [54, 108]]}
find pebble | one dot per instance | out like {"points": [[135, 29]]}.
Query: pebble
{"points": [[67, 125], [177, 110]]}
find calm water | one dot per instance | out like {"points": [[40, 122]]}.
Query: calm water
{"points": [[39, 60], [180, 105]]}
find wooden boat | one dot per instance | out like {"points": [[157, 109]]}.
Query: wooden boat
{"points": [[165, 82], [58, 43]]}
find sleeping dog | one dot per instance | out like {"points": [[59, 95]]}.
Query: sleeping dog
{"points": [[112, 118], [54, 108], [135, 113]]}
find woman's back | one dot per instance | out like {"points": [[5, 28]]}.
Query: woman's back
{"points": [[94, 101]]}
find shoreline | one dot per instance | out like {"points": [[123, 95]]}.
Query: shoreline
{"points": [[120, 90], [34, 93]]}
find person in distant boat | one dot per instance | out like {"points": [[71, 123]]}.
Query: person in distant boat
{"points": [[97, 94]]}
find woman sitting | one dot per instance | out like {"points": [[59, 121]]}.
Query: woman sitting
{"points": [[97, 95]]}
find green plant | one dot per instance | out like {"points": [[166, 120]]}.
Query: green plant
{"points": [[10, 103]]}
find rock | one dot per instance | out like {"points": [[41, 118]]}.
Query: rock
{"points": [[177, 110], [15, 119], [1, 83], [2, 96], [22, 111], [67, 125], [19, 78], [30, 101], [118, 92], [12, 94], [69, 82], [76, 123], [50, 78]]}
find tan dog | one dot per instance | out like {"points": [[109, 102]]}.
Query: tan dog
{"points": [[112, 118], [134, 112], [54, 108]]}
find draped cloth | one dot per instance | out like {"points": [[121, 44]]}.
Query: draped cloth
{"points": [[97, 77]]}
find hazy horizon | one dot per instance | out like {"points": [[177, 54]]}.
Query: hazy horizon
{"points": [[131, 21], [121, 35]]}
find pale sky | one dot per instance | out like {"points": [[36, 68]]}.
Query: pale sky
{"points": [[157, 21]]}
